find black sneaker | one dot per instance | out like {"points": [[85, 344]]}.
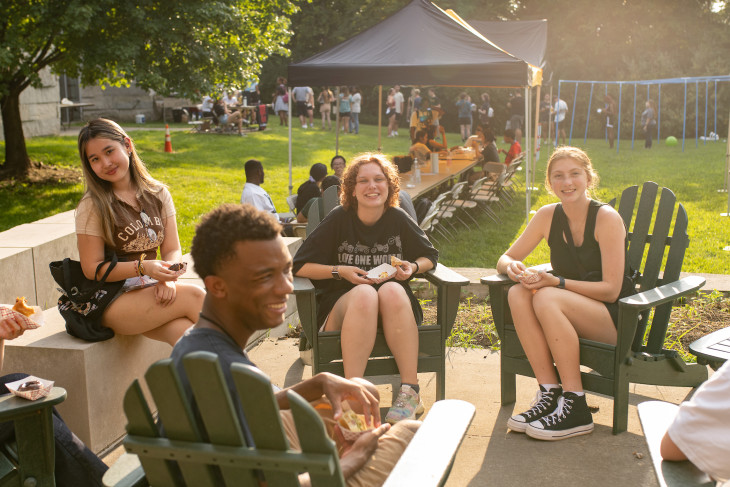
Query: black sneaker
{"points": [[571, 418], [545, 403]]}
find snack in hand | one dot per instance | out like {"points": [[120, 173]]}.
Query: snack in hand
{"points": [[529, 276], [383, 275], [176, 267], [31, 385], [395, 261], [22, 307], [351, 421]]}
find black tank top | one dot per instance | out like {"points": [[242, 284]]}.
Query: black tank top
{"points": [[589, 252]]}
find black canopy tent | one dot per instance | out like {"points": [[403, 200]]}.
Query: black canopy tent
{"points": [[422, 44], [524, 39]]}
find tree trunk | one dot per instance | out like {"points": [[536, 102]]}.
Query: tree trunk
{"points": [[17, 162]]}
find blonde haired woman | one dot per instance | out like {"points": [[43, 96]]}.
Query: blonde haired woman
{"points": [[364, 232], [551, 312], [126, 211], [325, 99]]}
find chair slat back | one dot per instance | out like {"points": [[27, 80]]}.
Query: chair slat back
{"points": [[178, 420], [313, 218], [262, 416], [647, 247], [331, 198], [141, 423], [310, 431], [217, 412]]}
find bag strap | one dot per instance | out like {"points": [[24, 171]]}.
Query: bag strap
{"points": [[112, 263], [563, 220], [67, 271]]}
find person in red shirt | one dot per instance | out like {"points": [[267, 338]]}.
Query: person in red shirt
{"points": [[514, 149]]}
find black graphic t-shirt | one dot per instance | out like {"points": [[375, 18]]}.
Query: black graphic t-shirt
{"points": [[342, 239]]}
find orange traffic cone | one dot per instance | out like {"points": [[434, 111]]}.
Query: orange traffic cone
{"points": [[168, 140]]}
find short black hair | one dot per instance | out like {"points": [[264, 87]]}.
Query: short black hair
{"points": [[219, 230], [318, 171], [488, 135], [330, 181], [509, 133], [251, 166], [338, 156]]}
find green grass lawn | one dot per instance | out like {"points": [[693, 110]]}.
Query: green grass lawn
{"points": [[207, 170]]}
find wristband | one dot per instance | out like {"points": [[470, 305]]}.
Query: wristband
{"points": [[561, 283], [140, 265], [418, 268]]}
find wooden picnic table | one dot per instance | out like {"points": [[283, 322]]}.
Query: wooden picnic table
{"points": [[429, 181]]}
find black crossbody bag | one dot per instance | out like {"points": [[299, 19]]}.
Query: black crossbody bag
{"points": [[83, 301]]}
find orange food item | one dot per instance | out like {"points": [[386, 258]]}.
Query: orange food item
{"points": [[383, 275], [22, 307], [352, 421], [395, 261]]}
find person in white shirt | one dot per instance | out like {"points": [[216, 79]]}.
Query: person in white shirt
{"points": [[207, 106], [355, 110], [701, 431], [253, 193], [229, 98], [561, 120], [398, 98]]}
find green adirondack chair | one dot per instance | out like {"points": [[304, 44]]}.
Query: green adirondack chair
{"points": [[220, 457], [636, 357], [30, 460], [326, 345]]}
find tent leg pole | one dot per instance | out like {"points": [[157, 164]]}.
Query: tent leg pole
{"points": [[380, 118], [536, 149], [291, 186], [337, 121]]}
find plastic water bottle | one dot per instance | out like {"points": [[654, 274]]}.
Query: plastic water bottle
{"points": [[416, 171]]}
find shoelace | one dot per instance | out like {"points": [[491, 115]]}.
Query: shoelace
{"points": [[561, 412], [539, 404]]}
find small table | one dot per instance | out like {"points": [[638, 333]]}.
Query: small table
{"points": [[712, 349], [80, 106]]}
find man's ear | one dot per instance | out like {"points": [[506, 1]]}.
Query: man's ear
{"points": [[215, 286]]}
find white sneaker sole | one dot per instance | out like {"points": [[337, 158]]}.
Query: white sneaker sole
{"points": [[549, 435], [516, 426], [419, 410]]}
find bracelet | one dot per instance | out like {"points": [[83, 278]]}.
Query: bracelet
{"points": [[418, 267], [561, 283], [140, 265]]}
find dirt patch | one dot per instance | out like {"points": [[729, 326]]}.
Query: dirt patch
{"points": [[41, 174]]}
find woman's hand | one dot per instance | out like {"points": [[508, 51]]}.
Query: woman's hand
{"points": [[405, 271], [159, 270], [11, 328], [514, 268], [165, 293], [544, 280], [353, 274]]}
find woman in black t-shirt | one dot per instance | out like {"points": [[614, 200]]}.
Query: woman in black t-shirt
{"points": [[551, 312], [365, 232]]}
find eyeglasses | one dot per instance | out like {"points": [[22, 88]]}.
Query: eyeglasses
{"points": [[147, 222]]}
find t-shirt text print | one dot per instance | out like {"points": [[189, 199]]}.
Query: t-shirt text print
{"points": [[367, 257]]}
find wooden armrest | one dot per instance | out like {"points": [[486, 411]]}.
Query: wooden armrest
{"points": [[503, 279], [655, 417], [442, 275], [303, 285], [126, 472], [11, 407], [662, 294], [428, 457]]}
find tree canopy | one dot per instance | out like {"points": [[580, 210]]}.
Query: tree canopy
{"points": [[187, 47]]}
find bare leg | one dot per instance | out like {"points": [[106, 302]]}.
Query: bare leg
{"points": [[531, 334], [356, 315], [137, 312], [565, 316], [399, 327]]}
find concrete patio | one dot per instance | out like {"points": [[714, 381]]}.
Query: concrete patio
{"points": [[490, 455]]}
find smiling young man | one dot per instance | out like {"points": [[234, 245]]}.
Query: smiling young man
{"points": [[240, 255]]}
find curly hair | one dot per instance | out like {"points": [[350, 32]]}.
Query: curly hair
{"points": [[349, 179], [579, 156], [219, 230]]}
